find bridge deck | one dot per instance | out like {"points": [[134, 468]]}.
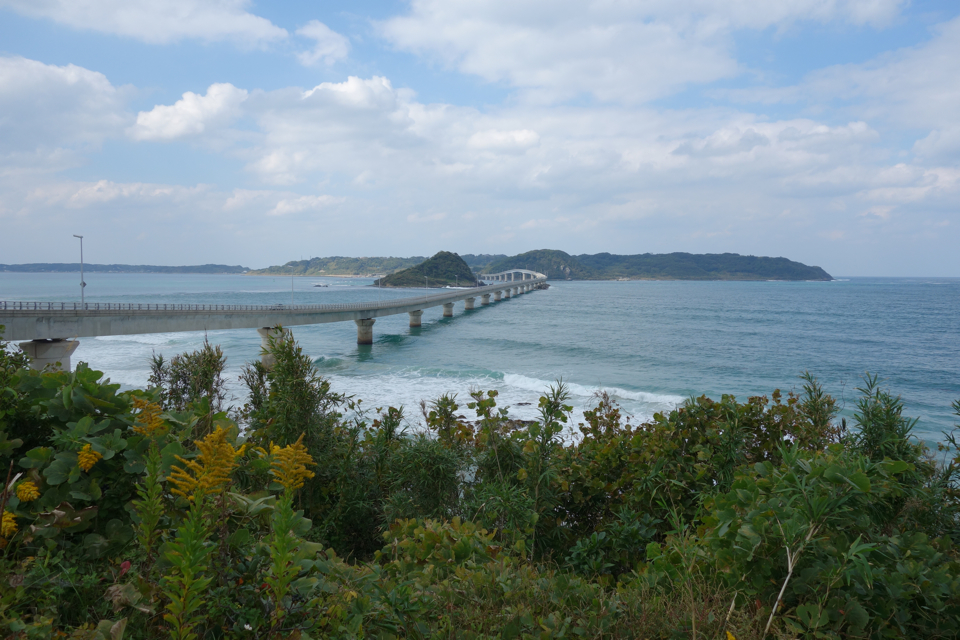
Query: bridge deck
{"points": [[57, 320]]}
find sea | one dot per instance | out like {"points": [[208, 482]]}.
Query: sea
{"points": [[649, 344]]}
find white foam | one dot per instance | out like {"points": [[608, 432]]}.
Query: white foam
{"points": [[519, 393], [151, 338], [541, 386]]}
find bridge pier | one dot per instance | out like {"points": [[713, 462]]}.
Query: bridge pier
{"points": [[415, 317], [497, 295], [506, 292], [53, 352], [468, 303], [365, 330], [485, 300], [266, 358], [447, 309]]}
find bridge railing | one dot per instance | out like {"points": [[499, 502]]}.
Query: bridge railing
{"points": [[355, 306]]}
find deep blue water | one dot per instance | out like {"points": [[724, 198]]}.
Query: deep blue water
{"points": [[649, 343]]}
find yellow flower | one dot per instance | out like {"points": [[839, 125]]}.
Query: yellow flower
{"points": [[87, 457], [149, 422], [730, 636], [27, 491], [8, 525], [208, 472], [289, 464]]}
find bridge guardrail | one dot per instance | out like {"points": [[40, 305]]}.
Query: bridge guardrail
{"points": [[356, 306]]}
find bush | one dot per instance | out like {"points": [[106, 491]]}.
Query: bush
{"points": [[152, 514]]}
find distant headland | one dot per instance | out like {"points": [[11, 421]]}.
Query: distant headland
{"points": [[559, 265], [71, 267]]}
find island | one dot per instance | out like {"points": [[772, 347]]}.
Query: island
{"points": [[559, 265], [442, 270], [361, 267]]}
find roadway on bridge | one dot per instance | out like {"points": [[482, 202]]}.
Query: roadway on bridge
{"points": [[49, 325]]}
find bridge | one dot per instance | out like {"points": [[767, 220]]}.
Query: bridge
{"points": [[50, 329]]}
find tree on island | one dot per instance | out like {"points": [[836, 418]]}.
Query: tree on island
{"points": [[443, 269]]}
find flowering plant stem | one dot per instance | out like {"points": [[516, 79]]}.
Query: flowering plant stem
{"points": [[189, 556], [283, 568]]}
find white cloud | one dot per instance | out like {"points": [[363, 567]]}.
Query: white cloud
{"points": [[157, 22], [243, 198], [911, 87], [303, 203], [74, 195], [430, 217], [191, 115], [329, 46], [45, 107], [504, 140], [615, 51]]}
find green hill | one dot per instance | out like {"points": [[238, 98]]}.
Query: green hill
{"points": [[710, 266], [339, 266], [480, 260], [557, 265], [441, 270]]}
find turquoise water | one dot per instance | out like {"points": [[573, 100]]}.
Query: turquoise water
{"points": [[650, 344]]}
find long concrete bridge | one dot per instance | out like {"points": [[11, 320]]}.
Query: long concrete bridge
{"points": [[50, 329]]}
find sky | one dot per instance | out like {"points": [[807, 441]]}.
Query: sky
{"points": [[253, 133]]}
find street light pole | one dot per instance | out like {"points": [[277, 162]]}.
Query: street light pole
{"points": [[82, 283]]}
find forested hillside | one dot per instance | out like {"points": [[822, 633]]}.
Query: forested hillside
{"points": [[690, 266], [339, 266], [443, 269], [559, 265]]}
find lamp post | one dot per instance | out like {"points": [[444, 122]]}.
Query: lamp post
{"points": [[82, 283]]}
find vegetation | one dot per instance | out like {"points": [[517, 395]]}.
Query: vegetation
{"points": [[711, 266], [557, 265], [155, 514], [442, 270], [67, 267], [340, 266], [670, 266]]}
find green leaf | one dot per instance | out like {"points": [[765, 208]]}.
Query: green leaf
{"points": [[118, 532], [811, 616], [856, 615], [834, 474], [61, 470], [896, 466], [238, 538], [36, 458], [95, 545], [860, 481]]}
